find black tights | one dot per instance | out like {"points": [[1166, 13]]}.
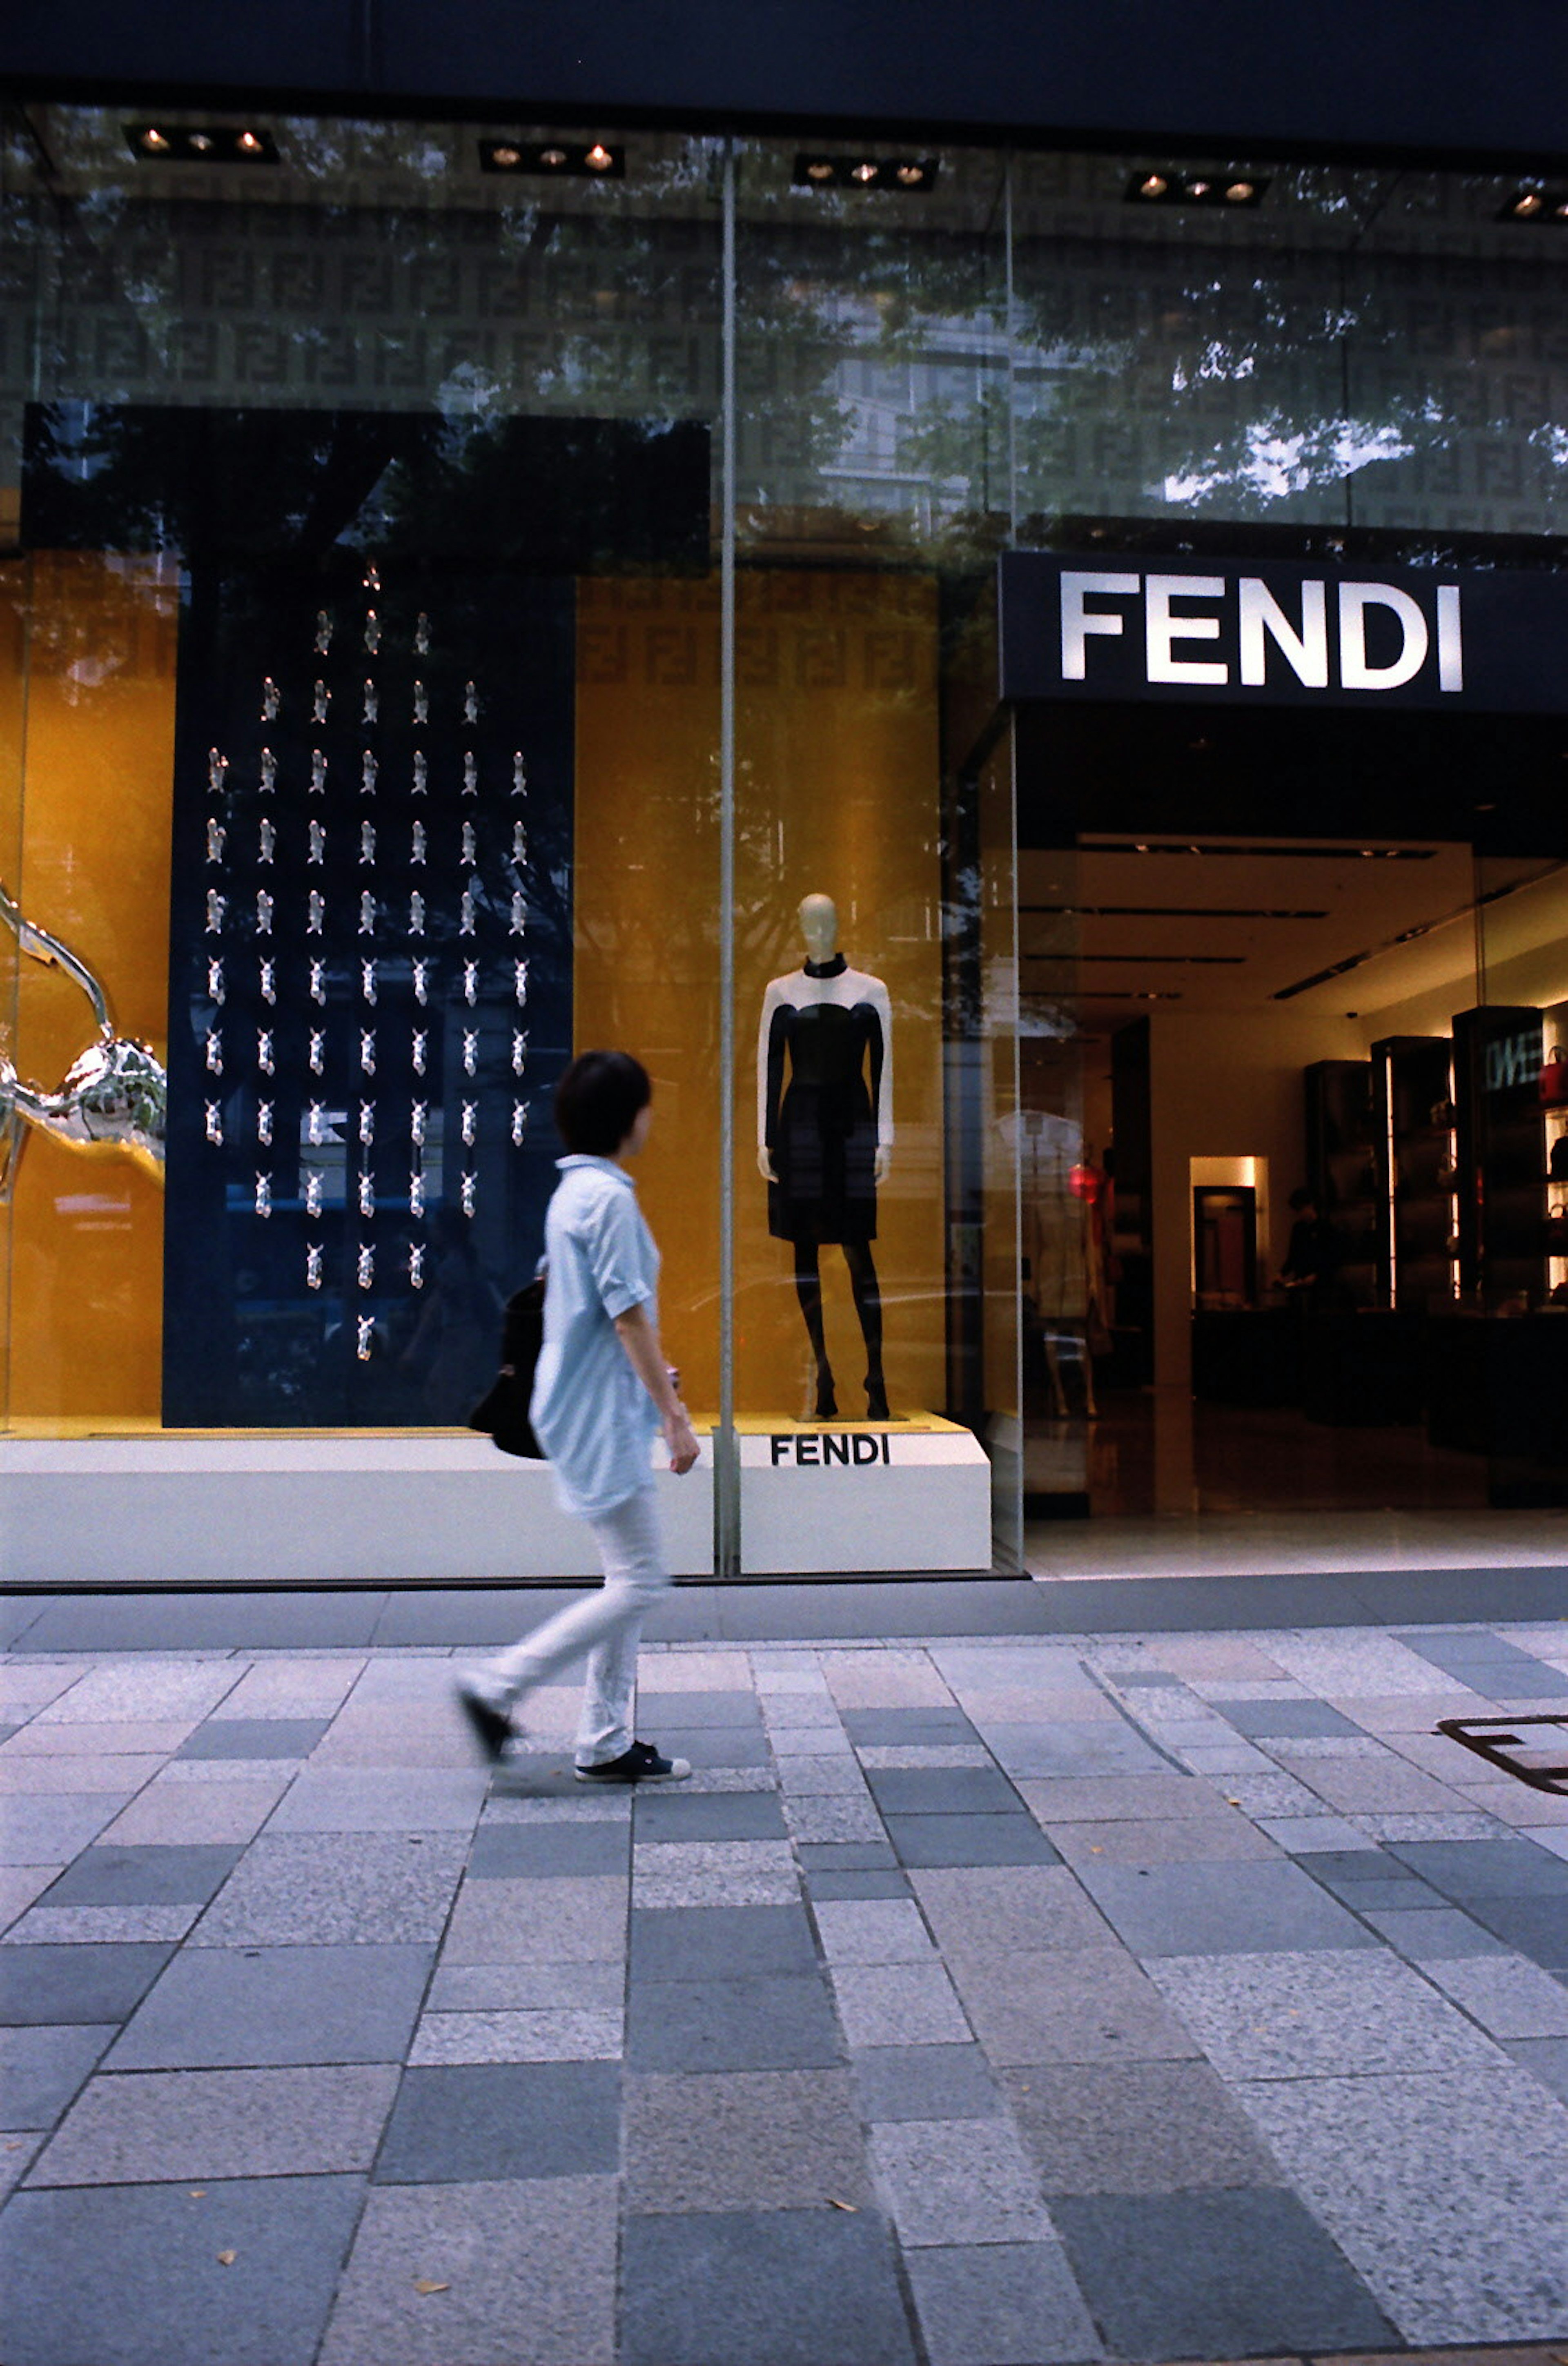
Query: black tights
{"points": [[868, 1306]]}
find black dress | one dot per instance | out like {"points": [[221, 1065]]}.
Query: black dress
{"points": [[819, 1121]]}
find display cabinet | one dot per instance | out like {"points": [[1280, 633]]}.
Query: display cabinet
{"points": [[1506, 1203], [1342, 1170], [1417, 1158]]}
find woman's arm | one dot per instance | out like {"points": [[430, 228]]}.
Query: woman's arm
{"points": [[640, 1340]]}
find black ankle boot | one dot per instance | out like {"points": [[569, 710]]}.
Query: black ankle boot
{"points": [[876, 1398], [827, 1403]]}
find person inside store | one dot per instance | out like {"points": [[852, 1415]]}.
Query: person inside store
{"points": [[1311, 1259], [601, 1392]]}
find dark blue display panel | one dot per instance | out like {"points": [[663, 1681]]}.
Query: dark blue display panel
{"points": [[371, 915]]}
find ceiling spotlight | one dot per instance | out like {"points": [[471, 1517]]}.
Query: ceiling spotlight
{"points": [[1239, 193], [153, 142], [863, 173], [248, 145], [1159, 185], [551, 158], [208, 143], [1153, 184], [202, 142], [506, 156], [598, 159], [820, 169], [909, 176], [1535, 202], [1528, 202], [1197, 188], [866, 172]]}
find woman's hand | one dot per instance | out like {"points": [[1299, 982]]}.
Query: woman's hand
{"points": [[681, 1441]]}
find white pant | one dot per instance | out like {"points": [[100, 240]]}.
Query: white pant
{"points": [[606, 1625]]}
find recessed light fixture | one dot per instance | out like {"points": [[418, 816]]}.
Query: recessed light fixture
{"points": [[593, 159], [1535, 203], [201, 143], [911, 174], [1160, 186]]}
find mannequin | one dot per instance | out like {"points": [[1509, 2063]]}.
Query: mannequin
{"points": [[825, 1136]]}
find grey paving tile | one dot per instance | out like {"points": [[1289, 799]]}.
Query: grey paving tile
{"points": [[744, 2140], [735, 1708], [92, 1926], [130, 2275], [924, 1754], [924, 2082], [513, 1852], [1278, 1717], [549, 2034], [17, 2150], [997, 1909], [809, 1741], [51, 1829], [1091, 1750], [29, 1775], [1309, 1835], [818, 1818], [1079, 2006], [1227, 1838], [1382, 1785], [943, 1791], [1465, 1825], [1136, 2127], [713, 1873], [857, 1885], [1536, 1927], [959, 2182], [45, 1984], [354, 1799], [1507, 1995], [222, 2008], [969, 1840], [527, 1988], [1545, 2058], [526, 2274], [507, 2119], [295, 1686], [1209, 1909], [518, 1797], [761, 2020], [1502, 1867], [893, 2004], [1273, 1795], [710, 1815], [1313, 2014], [207, 1814], [579, 1917], [707, 1942], [1214, 2275], [322, 1888], [872, 1727], [1451, 2256], [113, 1875], [778, 2287], [151, 1738], [1000, 2304], [1101, 1798], [255, 1737], [1433, 1933], [838, 1775], [145, 1686], [42, 2067], [870, 1931], [846, 1857], [148, 2127]]}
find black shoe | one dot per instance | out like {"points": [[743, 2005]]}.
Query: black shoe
{"points": [[490, 1727], [641, 1764], [826, 1401], [877, 1400]]}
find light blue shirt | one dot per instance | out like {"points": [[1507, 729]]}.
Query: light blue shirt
{"points": [[591, 1412]]}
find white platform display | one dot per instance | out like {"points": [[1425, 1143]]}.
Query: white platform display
{"points": [[263, 1510], [286, 1510], [829, 1501]]}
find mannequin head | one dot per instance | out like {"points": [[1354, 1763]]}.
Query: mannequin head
{"points": [[819, 927]]}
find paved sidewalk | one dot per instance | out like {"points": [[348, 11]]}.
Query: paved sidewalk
{"points": [[984, 2003]]}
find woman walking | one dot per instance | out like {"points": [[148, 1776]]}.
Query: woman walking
{"points": [[601, 1393]]}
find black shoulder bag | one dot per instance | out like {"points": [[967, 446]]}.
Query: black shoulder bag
{"points": [[502, 1412]]}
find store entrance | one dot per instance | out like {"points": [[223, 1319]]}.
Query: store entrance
{"points": [[1291, 985]]}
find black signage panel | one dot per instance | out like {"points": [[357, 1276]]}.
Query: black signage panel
{"points": [[1282, 633]]}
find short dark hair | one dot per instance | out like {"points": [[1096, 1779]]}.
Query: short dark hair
{"points": [[598, 1101]]}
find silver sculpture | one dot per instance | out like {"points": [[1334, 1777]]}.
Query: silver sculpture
{"points": [[416, 1193], [470, 775], [264, 913], [268, 770], [320, 703], [519, 842], [319, 982], [214, 1050], [318, 1051], [217, 771], [470, 1051], [467, 1188], [368, 982], [264, 1124], [269, 982], [366, 1123], [368, 841], [519, 1124], [470, 983], [367, 1333], [215, 1122], [266, 840], [313, 1202], [471, 1123], [471, 852], [270, 700], [519, 775], [416, 1261], [366, 1267], [368, 1050], [315, 913], [467, 921], [470, 703], [519, 1050], [216, 834], [265, 1060], [520, 972], [420, 1039], [366, 1196], [215, 982], [323, 631], [373, 631], [313, 1266], [420, 703], [372, 710], [422, 635], [318, 846], [367, 914], [217, 905], [318, 772], [420, 968], [368, 769], [316, 1133], [263, 1195], [421, 772], [519, 927], [419, 843]]}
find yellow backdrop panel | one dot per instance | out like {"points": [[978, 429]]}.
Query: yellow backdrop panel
{"points": [[87, 1231], [837, 792]]}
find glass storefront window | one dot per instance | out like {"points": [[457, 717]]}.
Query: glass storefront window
{"points": [[380, 515]]}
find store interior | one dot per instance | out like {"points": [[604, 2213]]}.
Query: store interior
{"points": [[1266, 954]]}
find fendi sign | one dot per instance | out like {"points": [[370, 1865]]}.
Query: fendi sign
{"points": [[1285, 633]]}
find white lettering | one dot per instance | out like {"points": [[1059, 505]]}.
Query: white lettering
{"points": [[1162, 629], [1356, 671], [1450, 647], [1077, 622], [1260, 616]]}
